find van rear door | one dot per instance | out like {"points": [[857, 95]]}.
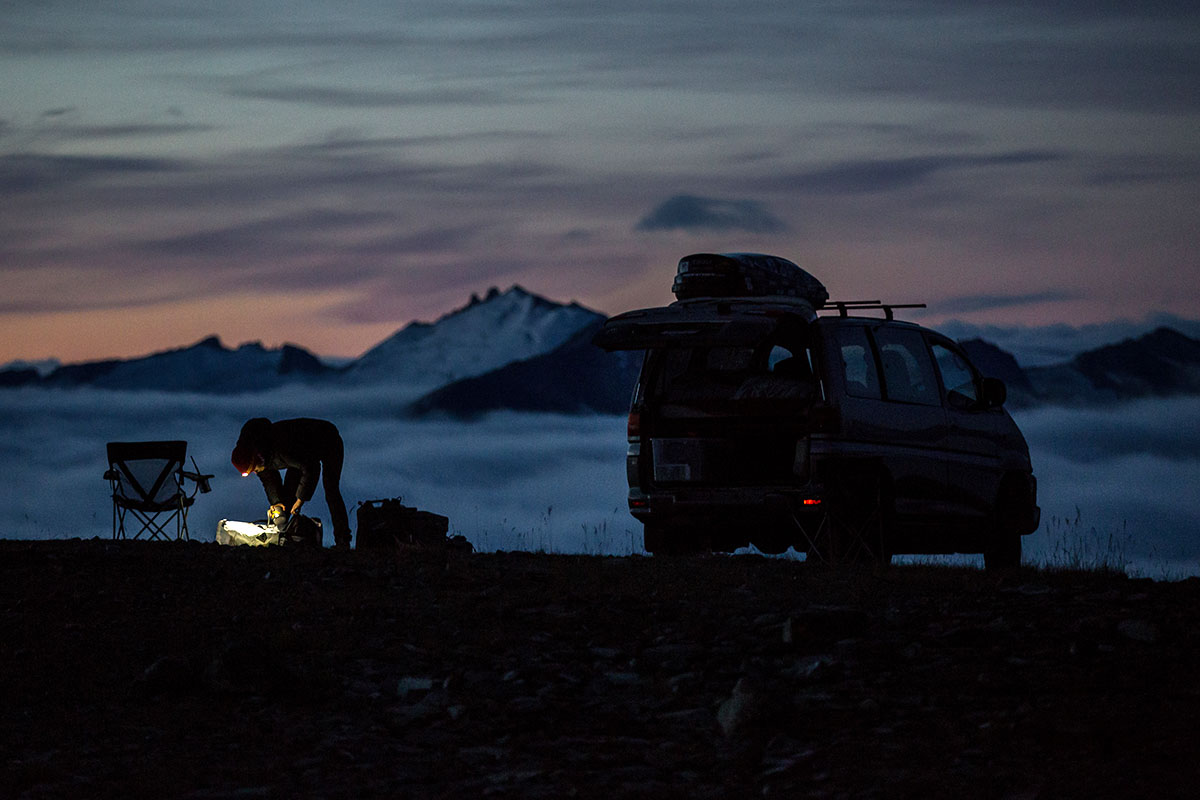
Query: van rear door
{"points": [[683, 326]]}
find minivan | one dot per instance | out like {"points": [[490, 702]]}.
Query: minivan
{"points": [[767, 415]]}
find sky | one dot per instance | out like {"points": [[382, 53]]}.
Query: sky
{"points": [[323, 173]]}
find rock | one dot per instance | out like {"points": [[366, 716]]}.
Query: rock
{"points": [[742, 708], [824, 623], [431, 706], [813, 668], [684, 681], [1138, 630], [408, 685], [623, 678], [171, 675], [697, 719]]}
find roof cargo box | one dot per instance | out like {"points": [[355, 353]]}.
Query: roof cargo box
{"points": [[745, 275]]}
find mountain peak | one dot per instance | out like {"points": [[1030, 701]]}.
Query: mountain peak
{"points": [[486, 333], [494, 292], [1162, 362]]}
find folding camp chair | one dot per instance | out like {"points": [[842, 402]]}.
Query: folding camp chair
{"points": [[837, 537], [852, 525], [147, 480]]}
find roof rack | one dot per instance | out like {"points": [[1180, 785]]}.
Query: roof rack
{"points": [[844, 307]]}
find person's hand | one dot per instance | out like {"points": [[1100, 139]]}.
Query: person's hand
{"points": [[276, 510], [296, 505]]}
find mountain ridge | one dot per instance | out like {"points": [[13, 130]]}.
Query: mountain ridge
{"points": [[1108, 374], [485, 333], [517, 350]]}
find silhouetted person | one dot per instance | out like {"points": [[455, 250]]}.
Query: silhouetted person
{"points": [[301, 447]]}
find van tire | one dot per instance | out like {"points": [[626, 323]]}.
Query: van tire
{"points": [[1002, 549], [662, 539]]}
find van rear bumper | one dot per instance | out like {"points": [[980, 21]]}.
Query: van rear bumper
{"points": [[747, 503]]}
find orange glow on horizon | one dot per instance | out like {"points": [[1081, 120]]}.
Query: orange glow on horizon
{"points": [[98, 334]]}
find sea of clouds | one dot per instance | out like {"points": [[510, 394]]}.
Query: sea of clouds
{"points": [[1117, 484]]}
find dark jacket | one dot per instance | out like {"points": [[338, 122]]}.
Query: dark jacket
{"points": [[299, 444]]}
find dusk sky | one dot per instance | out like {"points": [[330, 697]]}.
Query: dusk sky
{"points": [[323, 173]]}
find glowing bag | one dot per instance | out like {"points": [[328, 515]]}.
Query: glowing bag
{"points": [[232, 532]]}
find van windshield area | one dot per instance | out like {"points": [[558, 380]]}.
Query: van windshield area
{"points": [[738, 380]]}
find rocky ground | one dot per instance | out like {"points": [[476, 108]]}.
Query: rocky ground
{"points": [[197, 671]]}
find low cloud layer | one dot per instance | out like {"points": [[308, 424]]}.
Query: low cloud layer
{"points": [[1119, 481]]}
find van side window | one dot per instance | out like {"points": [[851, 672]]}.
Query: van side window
{"points": [[858, 363], [908, 375], [957, 377]]}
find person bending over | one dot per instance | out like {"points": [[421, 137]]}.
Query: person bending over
{"points": [[301, 447]]}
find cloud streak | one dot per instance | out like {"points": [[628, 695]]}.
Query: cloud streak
{"points": [[37, 172], [688, 212], [971, 152], [329, 97], [869, 176], [967, 304]]}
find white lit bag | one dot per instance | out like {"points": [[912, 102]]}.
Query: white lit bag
{"points": [[232, 532]]}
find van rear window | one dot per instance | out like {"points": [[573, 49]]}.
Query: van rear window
{"points": [[709, 378]]}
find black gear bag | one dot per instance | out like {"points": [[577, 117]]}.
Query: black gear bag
{"points": [[387, 523]]}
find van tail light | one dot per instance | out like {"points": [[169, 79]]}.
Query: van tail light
{"points": [[633, 428]]}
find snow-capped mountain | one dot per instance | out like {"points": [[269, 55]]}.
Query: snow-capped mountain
{"points": [[484, 335], [575, 378], [516, 350], [207, 366], [1159, 364]]}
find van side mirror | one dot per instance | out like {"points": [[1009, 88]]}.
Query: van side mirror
{"points": [[993, 392]]}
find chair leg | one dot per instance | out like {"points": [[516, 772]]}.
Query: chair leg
{"points": [[152, 524]]}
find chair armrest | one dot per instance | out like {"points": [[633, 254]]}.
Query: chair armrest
{"points": [[112, 475], [201, 480]]}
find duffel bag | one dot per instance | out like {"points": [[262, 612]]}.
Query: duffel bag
{"points": [[386, 523]]}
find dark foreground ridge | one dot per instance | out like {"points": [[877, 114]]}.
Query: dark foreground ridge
{"points": [[199, 671]]}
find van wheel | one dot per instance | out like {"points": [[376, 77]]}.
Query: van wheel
{"points": [[661, 539], [654, 538], [1002, 550]]}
